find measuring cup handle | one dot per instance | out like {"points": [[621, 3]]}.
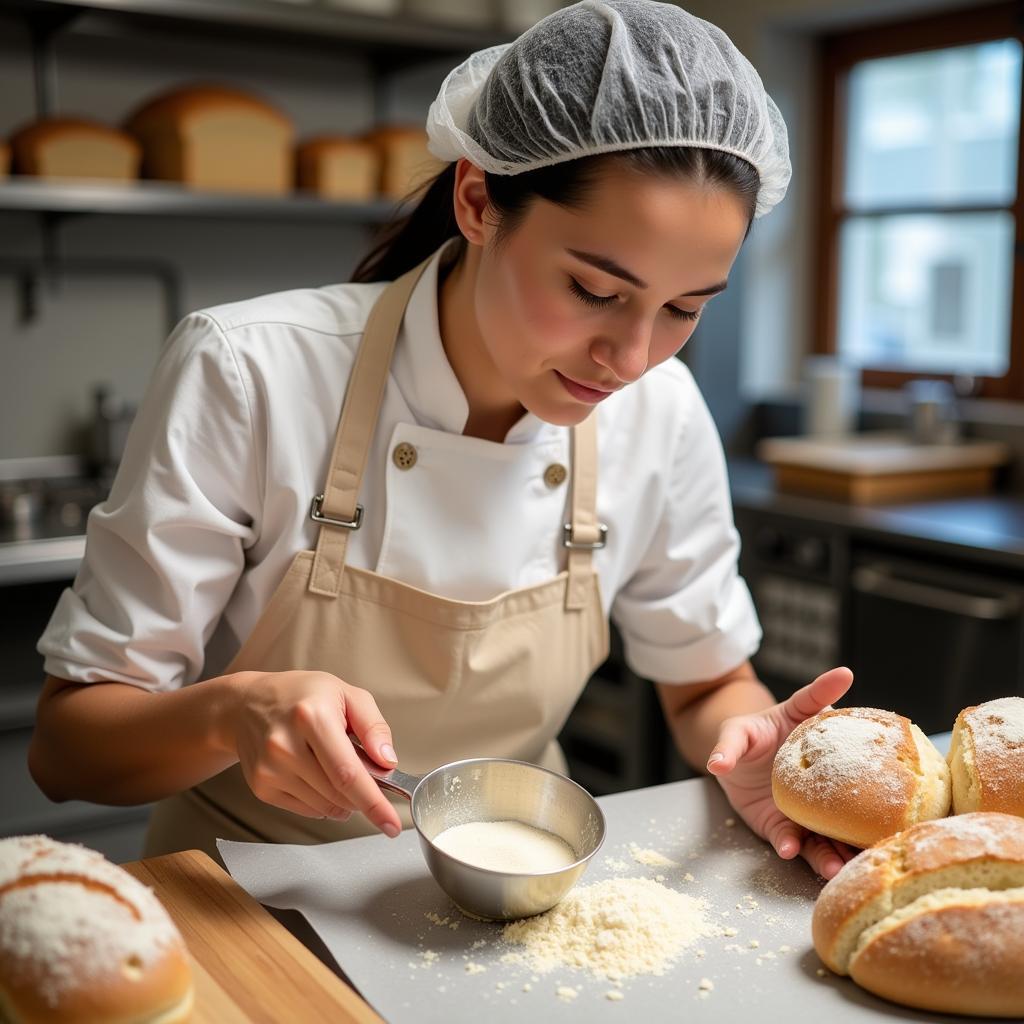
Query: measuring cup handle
{"points": [[390, 779]]}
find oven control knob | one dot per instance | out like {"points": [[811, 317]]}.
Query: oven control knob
{"points": [[810, 553]]}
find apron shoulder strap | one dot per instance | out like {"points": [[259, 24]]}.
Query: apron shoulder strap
{"points": [[336, 509], [583, 535]]}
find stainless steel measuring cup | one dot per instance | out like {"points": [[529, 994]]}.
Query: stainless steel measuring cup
{"points": [[496, 789]]}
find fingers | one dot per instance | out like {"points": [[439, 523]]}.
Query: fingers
{"points": [[336, 756], [366, 721], [823, 856], [733, 742], [288, 776], [847, 853], [787, 837], [290, 802], [816, 696]]}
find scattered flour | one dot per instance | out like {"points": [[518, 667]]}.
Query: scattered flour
{"points": [[442, 922], [651, 858], [616, 928], [510, 846]]}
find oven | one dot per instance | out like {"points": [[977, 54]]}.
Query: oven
{"points": [[932, 636]]}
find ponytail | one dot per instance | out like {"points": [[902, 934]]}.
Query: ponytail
{"points": [[410, 239]]}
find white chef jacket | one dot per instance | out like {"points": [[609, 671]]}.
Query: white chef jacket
{"points": [[232, 441]]}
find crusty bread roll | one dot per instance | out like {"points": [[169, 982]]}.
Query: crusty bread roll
{"points": [[337, 167], [933, 917], [82, 940], [212, 137], [986, 757], [64, 147], [859, 775]]}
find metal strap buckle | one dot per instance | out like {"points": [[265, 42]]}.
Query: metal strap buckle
{"points": [[568, 542], [316, 513]]}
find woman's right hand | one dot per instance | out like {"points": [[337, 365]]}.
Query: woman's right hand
{"points": [[290, 732]]}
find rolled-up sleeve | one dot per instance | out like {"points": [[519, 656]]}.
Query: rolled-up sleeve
{"points": [[164, 552], [685, 614]]}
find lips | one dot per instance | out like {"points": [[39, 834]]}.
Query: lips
{"points": [[584, 392]]}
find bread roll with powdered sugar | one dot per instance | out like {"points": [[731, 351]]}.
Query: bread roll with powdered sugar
{"points": [[82, 940], [986, 757], [859, 775], [933, 917]]}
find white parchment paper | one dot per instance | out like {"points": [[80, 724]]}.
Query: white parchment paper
{"points": [[415, 958]]}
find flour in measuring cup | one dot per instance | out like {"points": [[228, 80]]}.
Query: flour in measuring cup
{"points": [[510, 846]]}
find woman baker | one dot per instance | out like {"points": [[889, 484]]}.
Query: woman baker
{"points": [[404, 508]]}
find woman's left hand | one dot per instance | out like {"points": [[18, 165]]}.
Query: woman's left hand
{"points": [[742, 762]]}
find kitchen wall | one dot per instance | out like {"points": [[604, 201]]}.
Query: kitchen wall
{"points": [[110, 327]]}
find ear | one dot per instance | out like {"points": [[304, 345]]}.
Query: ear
{"points": [[470, 202]]}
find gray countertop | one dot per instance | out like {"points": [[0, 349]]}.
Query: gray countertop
{"points": [[987, 529], [382, 917]]}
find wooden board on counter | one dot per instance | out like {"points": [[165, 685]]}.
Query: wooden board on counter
{"points": [[246, 966], [882, 467]]}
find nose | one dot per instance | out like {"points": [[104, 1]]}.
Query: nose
{"points": [[628, 352]]}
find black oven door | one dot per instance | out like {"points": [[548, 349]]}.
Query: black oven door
{"points": [[927, 639]]}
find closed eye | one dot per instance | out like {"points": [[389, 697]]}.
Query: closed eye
{"points": [[601, 301]]}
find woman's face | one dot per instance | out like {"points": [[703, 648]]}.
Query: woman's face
{"points": [[577, 303]]}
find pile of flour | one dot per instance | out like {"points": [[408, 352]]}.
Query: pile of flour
{"points": [[614, 929]]}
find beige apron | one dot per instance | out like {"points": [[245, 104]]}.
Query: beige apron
{"points": [[453, 679]]}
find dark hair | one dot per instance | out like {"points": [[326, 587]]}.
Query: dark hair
{"points": [[410, 239]]}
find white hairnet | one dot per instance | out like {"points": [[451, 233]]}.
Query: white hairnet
{"points": [[607, 75]]}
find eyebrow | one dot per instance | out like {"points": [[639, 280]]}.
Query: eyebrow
{"points": [[609, 266]]}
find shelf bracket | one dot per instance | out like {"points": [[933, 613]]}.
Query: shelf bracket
{"points": [[43, 27], [28, 274]]}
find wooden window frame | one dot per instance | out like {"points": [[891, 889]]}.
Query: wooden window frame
{"points": [[838, 54]]}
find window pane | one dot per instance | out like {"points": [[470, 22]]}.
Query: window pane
{"points": [[935, 127], [927, 292]]}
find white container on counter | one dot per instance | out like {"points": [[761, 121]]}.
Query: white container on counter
{"points": [[831, 394]]}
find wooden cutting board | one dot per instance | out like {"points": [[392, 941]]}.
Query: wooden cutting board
{"points": [[246, 967], [882, 467]]}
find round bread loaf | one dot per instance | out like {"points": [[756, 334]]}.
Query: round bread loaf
{"points": [[82, 940], [859, 775], [933, 917], [986, 757]]}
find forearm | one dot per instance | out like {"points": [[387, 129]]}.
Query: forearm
{"points": [[696, 724], [113, 743]]}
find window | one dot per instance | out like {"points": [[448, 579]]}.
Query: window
{"points": [[922, 217]]}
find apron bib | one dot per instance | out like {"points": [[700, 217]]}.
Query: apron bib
{"points": [[453, 679]]}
